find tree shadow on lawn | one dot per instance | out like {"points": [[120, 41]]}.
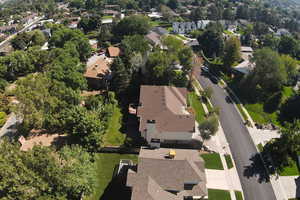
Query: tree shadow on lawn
{"points": [[257, 169], [117, 188]]}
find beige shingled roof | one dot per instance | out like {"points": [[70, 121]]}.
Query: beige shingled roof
{"points": [[167, 106]]}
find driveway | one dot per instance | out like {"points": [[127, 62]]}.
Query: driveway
{"points": [[252, 174]]}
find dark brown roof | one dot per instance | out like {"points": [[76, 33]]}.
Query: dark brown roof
{"points": [[157, 174], [167, 106]]}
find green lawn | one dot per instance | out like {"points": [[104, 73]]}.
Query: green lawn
{"points": [[290, 171], [212, 161], [194, 102], [107, 17], [238, 195], [260, 147], [287, 92], [256, 111], [104, 167], [245, 117], [113, 136], [214, 194], [181, 36], [229, 161]]}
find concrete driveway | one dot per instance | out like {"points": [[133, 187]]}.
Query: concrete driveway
{"points": [[218, 179]]}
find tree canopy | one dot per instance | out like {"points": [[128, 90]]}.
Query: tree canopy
{"points": [[42, 173]]}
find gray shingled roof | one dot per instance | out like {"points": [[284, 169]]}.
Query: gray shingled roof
{"points": [[156, 175]]}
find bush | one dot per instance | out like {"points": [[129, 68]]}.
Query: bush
{"points": [[208, 127]]}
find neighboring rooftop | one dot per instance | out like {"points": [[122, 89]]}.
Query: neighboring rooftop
{"points": [[96, 68], [157, 175], [113, 51], [166, 105]]}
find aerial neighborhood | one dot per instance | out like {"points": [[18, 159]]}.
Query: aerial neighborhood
{"points": [[150, 100]]}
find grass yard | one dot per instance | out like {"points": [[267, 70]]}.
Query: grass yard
{"points": [[257, 113], [214, 194], [287, 92], [182, 37], [212, 161], [260, 147], [238, 195], [245, 117], [105, 164], [194, 102], [113, 136], [229, 161], [290, 171], [107, 17]]}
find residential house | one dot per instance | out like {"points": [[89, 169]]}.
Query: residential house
{"points": [[246, 66], [9, 29], [155, 36], [186, 27], [166, 174], [113, 13], [29, 19], [97, 72], [113, 51], [164, 117], [113, 7]]}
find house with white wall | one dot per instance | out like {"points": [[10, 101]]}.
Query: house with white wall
{"points": [[164, 117]]}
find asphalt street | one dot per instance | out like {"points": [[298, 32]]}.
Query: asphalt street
{"points": [[241, 145]]}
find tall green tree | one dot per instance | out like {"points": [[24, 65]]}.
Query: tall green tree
{"points": [[212, 43], [121, 76], [231, 52], [288, 45], [42, 173], [269, 73], [132, 25]]}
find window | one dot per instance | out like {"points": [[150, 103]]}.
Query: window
{"points": [[154, 140]]}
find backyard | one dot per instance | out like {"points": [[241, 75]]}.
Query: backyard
{"points": [[105, 164], [113, 136]]}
